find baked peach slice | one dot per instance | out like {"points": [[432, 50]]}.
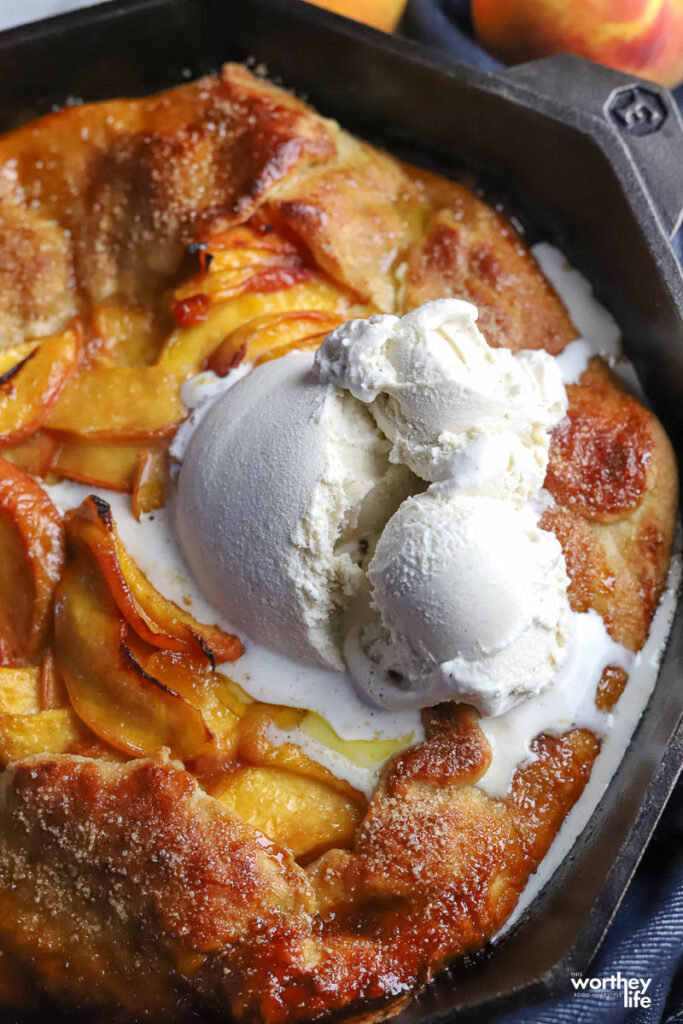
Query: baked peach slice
{"points": [[56, 731], [155, 619], [302, 814], [186, 350], [12, 357], [31, 559], [20, 691], [119, 403], [110, 464], [34, 455], [127, 337], [110, 692], [238, 260], [150, 483], [204, 688], [30, 388], [246, 274], [272, 336]]}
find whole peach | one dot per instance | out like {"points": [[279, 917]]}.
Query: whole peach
{"points": [[384, 14], [642, 37]]}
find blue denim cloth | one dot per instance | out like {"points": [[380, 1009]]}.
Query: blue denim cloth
{"points": [[646, 937]]}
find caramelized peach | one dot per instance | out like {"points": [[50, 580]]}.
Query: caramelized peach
{"points": [[30, 389], [187, 349], [128, 337], [100, 463], [302, 814], [35, 454], [150, 483], [31, 559], [12, 357], [47, 732], [271, 336], [19, 691], [119, 403], [155, 619], [122, 704]]}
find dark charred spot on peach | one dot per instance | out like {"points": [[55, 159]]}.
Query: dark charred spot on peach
{"points": [[6, 377], [103, 510]]}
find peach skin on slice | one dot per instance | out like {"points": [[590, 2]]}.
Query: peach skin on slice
{"points": [[117, 403], [31, 559], [109, 691], [186, 349], [272, 336], [155, 619], [30, 389], [239, 260]]}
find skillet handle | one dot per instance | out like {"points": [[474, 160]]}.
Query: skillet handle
{"points": [[643, 116]]}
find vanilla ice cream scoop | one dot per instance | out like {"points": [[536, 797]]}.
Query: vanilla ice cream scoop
{"points": [[371, 511], [444, 397], [472, 599], [283, 490]]}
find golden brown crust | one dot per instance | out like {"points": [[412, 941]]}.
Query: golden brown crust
{"points": [[125, 884], [162, 874], [612, 473], [110, 871], [36, 293], [130, 182], [469, 251]]}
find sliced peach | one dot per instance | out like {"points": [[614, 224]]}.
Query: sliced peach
{"points": [[242, 259], [19, 691], [187, 349], [151, 482], [119, 403], [302, 814], [35, 454], [256, 747], [110, 692], [155, 619], [31, 559], [272, 336], [12, 357], [30, 389], [47, 732], [100, 463], [201, 686], [128, 337]]}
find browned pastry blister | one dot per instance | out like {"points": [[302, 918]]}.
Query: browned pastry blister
{"points": [[125, 884]]}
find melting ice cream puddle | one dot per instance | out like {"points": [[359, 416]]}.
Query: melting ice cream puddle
{"points": [[568, 701]]}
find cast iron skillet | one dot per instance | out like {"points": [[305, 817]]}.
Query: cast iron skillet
{"points": [[593, 156]]}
